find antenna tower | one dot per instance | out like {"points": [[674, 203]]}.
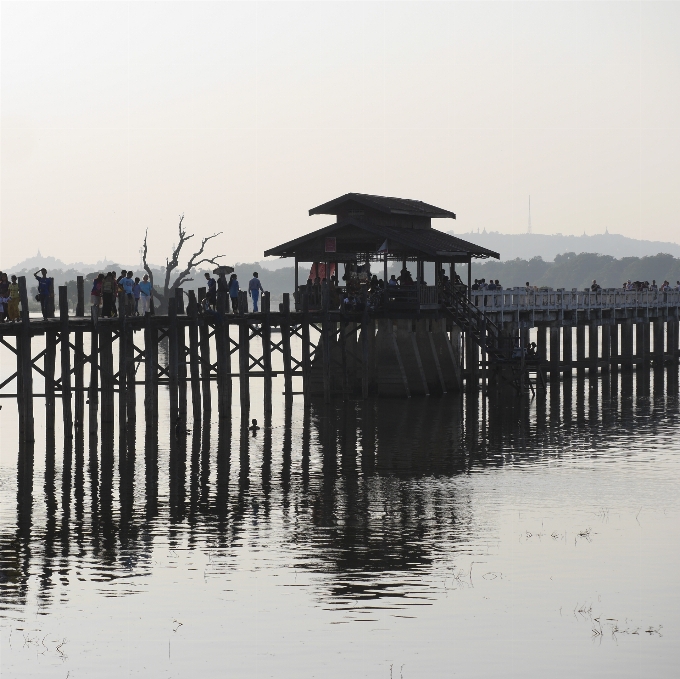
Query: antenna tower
{"points": [[529, 225]]}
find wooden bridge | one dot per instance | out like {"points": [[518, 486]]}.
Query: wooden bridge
{"points": [[433, 348]]}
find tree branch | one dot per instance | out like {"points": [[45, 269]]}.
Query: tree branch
{"points": [[147, 268], [171, 265], [194, 262]]}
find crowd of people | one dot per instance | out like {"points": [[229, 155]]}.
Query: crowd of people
{"points": [[230, 289], [106, 288], [646, 285], [481, 284]]}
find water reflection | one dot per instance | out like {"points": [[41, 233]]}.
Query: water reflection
{"points": [[339, 486]]}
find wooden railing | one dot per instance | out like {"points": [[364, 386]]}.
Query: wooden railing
{"points": [[519, 299]]}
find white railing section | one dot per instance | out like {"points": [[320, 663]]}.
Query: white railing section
{"points": [[520, 299]]}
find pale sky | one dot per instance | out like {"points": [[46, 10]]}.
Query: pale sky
{"points": [[117, 117]]}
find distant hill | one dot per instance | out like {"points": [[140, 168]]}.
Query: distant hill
{"points": [[529, 245]]}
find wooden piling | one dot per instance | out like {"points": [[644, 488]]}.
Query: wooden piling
{"points": [[554, 354], [567, 352], [122, 371], [672, 337], [173, 360], [343, 355], [324, 343], [267, 352], [306, 346], [658, 340], [107, 378], [194, 372], [366, 328], [79, 358], [593, 347], [131, 392], [204, 341], [627, 344], [223, 349], [615, 358], [65, 362], [285, 345], [541, 350], [642, 343], [181, 355], [150, 373], [244, 359], [93, 394], [49, 368], [605, 343], [25, 369], [580, 350]]}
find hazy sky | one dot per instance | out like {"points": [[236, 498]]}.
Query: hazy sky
{"points": [[117, 117]]}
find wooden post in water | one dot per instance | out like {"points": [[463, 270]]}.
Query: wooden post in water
{"points": [[107, 378], [614, 345], [130, 376], [194, 373], [541, 349], [554, 354], [223, 350], [627, 344], [173, 360], [94, 372], [642, 343], [181, 355], [204, 340], [593, 347], [267, 352], [658, 341], [285, 344], [366, 328], [244, 351], [567, 354], [324, 341], [65, 362], [672, 338], [25, 369], [150, 373], [79, 357], [580, 350], [49, 367], [122, 370], [605, 343], [306, 346], [343, 353]]}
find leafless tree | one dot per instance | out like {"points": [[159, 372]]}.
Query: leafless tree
{"points": [[196, 259]]}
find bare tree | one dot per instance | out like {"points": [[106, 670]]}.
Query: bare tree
{"points": [[196, 259]]}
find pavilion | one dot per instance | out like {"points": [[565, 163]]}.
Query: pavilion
{"points": [[379, 228]]}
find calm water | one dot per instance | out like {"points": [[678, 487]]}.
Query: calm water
{"points": [[423, 538]]}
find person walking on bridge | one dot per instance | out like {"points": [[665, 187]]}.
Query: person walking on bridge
{"points": [[145, 292], [234, 288], [254, 289], [13, 307], [43, 291]]}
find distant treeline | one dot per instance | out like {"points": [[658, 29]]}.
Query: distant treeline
{"points": [[578, 271]]}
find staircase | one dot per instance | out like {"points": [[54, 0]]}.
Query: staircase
{"points": [[475, 323]]}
